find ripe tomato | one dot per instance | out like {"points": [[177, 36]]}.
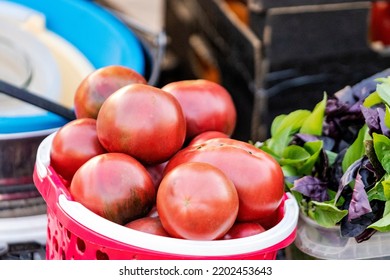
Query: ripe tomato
{"points": [[239, 230], [115, 186], [200, 138], [142, 121], [206, 105], [74, 144], [97, 86], [257, 176], [197, 201], [150, 225]]}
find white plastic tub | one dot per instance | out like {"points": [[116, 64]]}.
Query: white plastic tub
{"points": [[326, 243]]}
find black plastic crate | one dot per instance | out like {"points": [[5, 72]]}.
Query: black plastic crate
{"points": [[234, 48], [283, 68], [311, 32], [302, 85]]}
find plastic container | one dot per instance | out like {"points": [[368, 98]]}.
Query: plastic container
{"points": [[75, 22], [78, 22], [74, 232], [315, 241], [58, 40]]}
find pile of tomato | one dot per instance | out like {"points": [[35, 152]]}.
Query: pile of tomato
{"points": [[162, 160]]}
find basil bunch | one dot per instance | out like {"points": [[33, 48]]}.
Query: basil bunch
{"points": [[336, 158]]}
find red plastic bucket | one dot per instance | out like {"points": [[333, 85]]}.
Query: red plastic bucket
{"points": [[74, 232]]}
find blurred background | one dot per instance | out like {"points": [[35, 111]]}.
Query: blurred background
{"points": [[272, 56]]}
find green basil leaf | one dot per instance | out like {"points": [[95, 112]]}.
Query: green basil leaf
{"points": [[331, 157], [372, 99], [326, 214], [356, 150], [383, 224], [289, 173], [313, 123], [382, 150], [384, 92], [276, 124], [383, 80], [332, 196], [377, 192], [301, 201], [387, 116], [277, 144], [314, 149], [294, 155], [386, 186], [282, 129], [265, 147], [291, 122]]}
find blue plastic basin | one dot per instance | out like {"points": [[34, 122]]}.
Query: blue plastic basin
{"points": [[97, 33]]}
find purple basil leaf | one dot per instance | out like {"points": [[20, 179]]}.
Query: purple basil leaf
{"points": [[336, 172], [368, 174], [365, 235], [355, 109], [329, 143], [384, 129], [303, 137], [312, 187], [335, 107], [371, 117], [349, 175], [357, 228], [373, 164], [342, 121], [345, 95], [359, 203], [367, 86], [367, 219]]}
